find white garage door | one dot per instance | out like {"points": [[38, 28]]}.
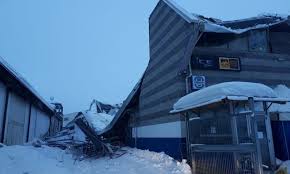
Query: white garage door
{"points": [[17, 120], [2, 107], [32, 125], [42, 124]]}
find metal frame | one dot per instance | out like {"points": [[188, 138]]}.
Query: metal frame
{"points": [[269, 137], [252, 131], [259, 167]]}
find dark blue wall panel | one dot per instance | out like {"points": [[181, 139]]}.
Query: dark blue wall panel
{"points": [[174, 147], [281, 138]]}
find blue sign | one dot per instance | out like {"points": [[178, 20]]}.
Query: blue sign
{"points": [[198, 82]]}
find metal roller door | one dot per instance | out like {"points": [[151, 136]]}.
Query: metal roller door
{"points": [[2, 107], [42, 124], [16, 121], [32, 125]]}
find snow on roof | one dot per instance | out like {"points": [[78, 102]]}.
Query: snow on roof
{"points": [[67, 118], [181, 11], [281, 91], [24, 82], [234, 26], [227, 90], [98, 121]]}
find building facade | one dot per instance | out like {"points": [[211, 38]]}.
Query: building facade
{"points": [[189, 52], [24, 115]]}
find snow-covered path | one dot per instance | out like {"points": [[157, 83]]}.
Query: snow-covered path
{"points": [[47, 160]]}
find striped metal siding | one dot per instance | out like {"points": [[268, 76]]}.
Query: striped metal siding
{"points": [[269, 69], [162, 86]]}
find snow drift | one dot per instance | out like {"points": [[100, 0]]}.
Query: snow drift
{"points": [[47, 160]]}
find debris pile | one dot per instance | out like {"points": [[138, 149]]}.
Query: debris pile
{"points": [[81, 133]]}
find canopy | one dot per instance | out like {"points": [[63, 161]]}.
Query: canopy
{"points": [[238, 91]]}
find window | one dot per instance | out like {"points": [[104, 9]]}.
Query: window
{"points": [[258, 41]]}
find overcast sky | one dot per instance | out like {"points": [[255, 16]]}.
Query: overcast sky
{"points": [[79, 50]]}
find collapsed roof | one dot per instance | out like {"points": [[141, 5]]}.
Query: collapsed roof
{"points": [[235, 26]]}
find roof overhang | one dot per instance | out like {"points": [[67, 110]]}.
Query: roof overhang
{"points": [[227, 91], [218, 26], [18, 82], [231, 98]]}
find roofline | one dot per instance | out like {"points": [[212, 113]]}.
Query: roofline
{"points": [[277, 100], [25, 84], [178, 9], [123, 107], [252, 18]]}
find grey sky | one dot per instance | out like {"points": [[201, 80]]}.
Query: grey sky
{"points": [[78, 50]]}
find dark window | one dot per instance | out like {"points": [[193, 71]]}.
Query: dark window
{"points": [[258, 41]]}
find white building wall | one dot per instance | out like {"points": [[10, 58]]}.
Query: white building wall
{"points": [[2, 106], [165, 130]]}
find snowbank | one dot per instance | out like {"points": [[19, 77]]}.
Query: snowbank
{"points": [[284, 168], [47, 160], [281, 91], [216, 93], [98, 121]]}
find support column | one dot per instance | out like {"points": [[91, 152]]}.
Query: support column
{"points": [[258, 162]]}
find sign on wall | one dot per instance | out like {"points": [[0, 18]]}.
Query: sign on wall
{"points": [[229, 63], [202, 62], [216, 63], [198, 82]]}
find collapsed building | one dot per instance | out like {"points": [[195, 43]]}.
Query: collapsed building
{"points": [[189, 52]]}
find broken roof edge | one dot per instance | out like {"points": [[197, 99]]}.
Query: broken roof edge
{"points": [[212, 27], [181, 11], [123, 107], [23, 81]]}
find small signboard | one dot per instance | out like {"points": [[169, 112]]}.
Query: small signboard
{"points": [[198, 82], [229, 63], [209, 63], [216, 63]]}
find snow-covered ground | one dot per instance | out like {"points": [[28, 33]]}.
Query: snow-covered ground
{"points": [[284, 167], [47, 160]]}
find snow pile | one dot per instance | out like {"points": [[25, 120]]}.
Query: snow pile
{"points": [[46, 160], [98, 121], [216, 93], [284, 168], [281, 91]]}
